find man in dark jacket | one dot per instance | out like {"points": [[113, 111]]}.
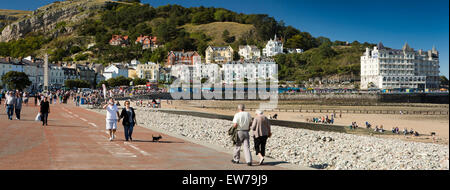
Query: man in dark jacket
{"points": [[44, 110], [18, 105], [129, 120]]}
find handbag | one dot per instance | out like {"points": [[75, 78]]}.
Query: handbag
{"points": [[38, 117]]}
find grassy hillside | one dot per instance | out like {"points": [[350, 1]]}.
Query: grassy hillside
{"points": [[14, 13], [215, 30]]}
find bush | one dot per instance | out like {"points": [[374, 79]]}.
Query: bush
{"points": [[119, 81], [77, 83], [139, 81], [16, 80]]}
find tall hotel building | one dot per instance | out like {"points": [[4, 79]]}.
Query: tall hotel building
{"points": [[385, 68]]}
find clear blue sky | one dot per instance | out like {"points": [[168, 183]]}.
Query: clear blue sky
{"points": [[420, 23]]}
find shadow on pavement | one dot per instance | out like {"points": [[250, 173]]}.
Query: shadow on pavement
{"points": [[156, 141], [274, 163]]}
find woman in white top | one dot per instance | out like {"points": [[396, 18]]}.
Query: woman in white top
{"points": [[112, 115]]}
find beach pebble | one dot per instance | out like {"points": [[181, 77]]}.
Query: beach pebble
{"points": [[317, 149]]}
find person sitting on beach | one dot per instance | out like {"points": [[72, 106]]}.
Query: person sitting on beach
{"points": [[153, 103], [367, 125], [411, 132], [405, 131], [381, 129], [149, 104], [275, 116], [416, 134], [158, 103], [393, 129]]}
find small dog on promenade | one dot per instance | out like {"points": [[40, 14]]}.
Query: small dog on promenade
{"points": [[157, 138]]}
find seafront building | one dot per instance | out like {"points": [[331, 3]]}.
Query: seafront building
{"points": [[273, 47], [215, 54], [148, 71], [384, 68], [251, 71], [249, 52], [182, 57], [115, 70]]}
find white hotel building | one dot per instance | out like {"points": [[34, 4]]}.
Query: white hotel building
{"points": [[234, 72], [385, 68], [273, 47]]}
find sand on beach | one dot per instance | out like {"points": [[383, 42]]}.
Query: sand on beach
{"points": [[424, 124]]}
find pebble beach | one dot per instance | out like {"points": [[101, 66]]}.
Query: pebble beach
{"points": [[316, 149]]}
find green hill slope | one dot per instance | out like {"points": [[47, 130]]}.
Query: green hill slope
{"points": [[215, 30]]}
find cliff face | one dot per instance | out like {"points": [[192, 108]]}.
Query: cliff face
{"points": [[45, 19], [9, 16]]}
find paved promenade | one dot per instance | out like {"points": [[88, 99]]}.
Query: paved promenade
{"points": [[76, 139]]}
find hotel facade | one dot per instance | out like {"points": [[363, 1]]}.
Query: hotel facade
{"points": [[385, 68]]}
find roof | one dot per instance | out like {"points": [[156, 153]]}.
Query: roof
{"points": [[118, 37], [219, 48], [183, 54], [147, 39], [252, 47], [380, 46]]}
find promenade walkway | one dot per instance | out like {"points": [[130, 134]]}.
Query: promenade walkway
{"points": [[76, 139]]}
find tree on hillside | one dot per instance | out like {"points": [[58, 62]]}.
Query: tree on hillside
{"points": [[166, 32], [303, 40], [321, 40], [16, 80], [288, 32], [326, 50], [223, 15], [226, 37], [202, 17]]}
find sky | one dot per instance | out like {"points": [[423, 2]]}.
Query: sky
{"points": [[393, 22]]}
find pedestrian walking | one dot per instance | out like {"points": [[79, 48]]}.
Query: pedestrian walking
{"points": [[261, 131], [44, 110], [129, 120], [77, 100], [242, 121], [9, 104], [25, 98], [112, 115], [18, 105], [1, 97]]}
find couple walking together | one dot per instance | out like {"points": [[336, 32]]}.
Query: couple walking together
{"points": [[113, 117], [259, 128]]}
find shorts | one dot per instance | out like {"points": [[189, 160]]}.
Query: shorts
{"points": [[111, 124]]}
